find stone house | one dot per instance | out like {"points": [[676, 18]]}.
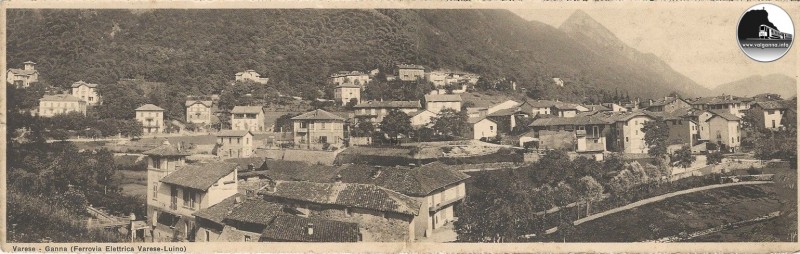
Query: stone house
{"points": [[199, 112], [24, 77], [251, 75], [86, 92], [375, 111], [248, 118], [151, 117], [771, 112], [318, 127], [437, 102], [410, 72], [235, 144], [724, 129], [344, 93], [482, 127], [51, 105]]}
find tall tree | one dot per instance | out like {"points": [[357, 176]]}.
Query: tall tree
{"points": [[683, 157], [451, 123], [396, 123], [656, 133]]}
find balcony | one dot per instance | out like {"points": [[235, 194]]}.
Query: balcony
{"points": [[302, 129]]}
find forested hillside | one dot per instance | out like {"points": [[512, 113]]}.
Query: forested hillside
{"points": [[199, 51]]}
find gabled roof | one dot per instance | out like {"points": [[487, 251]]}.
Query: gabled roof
{"points": [[22, 72], [565, 106], [255, 210], [389, 104], [205, 103], [621, 116], [167, 149], [771, 104], [722, 99], [82, 83], [200, 176], [218, 211], [233, 133], [149, 107], [318, 114], [244, 163], [60, 97], [419, 112], [442, 97], [247, 110], [474, 120], [416, 182], [295, 229], [345, 194], [724, 114], [664, 101]]}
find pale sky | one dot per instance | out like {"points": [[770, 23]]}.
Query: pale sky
{"points": [[697, 40]]}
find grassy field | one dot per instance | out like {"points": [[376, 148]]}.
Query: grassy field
{"points": [[133, 183], [687, 213]]}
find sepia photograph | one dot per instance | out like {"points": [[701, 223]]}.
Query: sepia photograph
{"points": [[550, 123]]}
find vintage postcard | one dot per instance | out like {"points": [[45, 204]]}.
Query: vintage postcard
{"points": [[404, 126]]}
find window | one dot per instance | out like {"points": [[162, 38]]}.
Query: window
{"points": [[155, 190], [626, 139], [491, 128], [247, 238], [188, 198]]}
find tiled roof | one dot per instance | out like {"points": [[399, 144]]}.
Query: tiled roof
{"points": [[167, 149], [149, 107], [620, 116], [724, 114], [597, 107], [539, 103], [298, 171], [389, 104], [663, 101], [318, 114], [417, 182], [247, 110], [295, 229], [200, 176], [218, 211], [232, 133], [82, 83], [244, 163], [255, 210], [205, 103], [410, 66], [442, 97], [578, 120], [22, 71], [722, 99], [60, 97], [771, 104], [346, 194], [474, 120], [565, 106]]}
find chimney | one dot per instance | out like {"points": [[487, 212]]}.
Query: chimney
{"points": [[29, 66], [310, 229]]}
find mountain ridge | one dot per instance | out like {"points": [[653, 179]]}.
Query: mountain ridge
{"points": [[775, 83]]}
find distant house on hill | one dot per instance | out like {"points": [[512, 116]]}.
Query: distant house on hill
{"points": [[51, 105], [151, 117], [199, 112], [375, 111], [318, 127], [24, 77], [558, 82], [248, 118], [482, 127], [410, 72], [346, 92], [86, 91], [352, 78], [251, 75], [437, 102], [235, 143]]}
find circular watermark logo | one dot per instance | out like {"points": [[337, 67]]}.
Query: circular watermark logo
{"points": [[765, 32]]}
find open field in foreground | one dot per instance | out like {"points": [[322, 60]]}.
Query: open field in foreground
{"points": [[689, 213]]}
